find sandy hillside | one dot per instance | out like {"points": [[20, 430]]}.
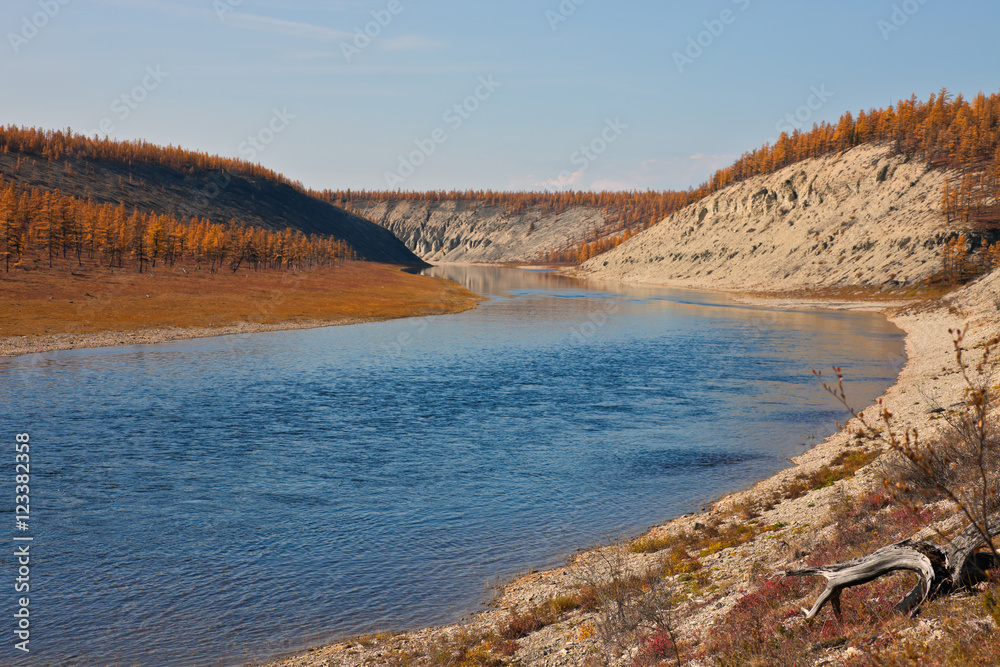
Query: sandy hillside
{"points": [[864, 217]]}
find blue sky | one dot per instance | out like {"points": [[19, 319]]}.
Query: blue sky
{"points": [[588, 94]]}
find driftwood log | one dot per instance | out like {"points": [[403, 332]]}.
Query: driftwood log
{"points": [[941, 569]]}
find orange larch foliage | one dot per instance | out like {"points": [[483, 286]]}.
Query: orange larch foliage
{"points": [[35, 222]]}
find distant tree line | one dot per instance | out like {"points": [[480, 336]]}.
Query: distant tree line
{"points": [[625, 213], [58, 145], [44, 224]]}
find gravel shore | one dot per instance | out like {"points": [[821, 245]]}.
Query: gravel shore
{"points": [[17, 345]]}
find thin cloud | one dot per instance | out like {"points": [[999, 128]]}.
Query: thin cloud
{"points": [[563, 181], [282, 27], [239, 19], [608, 185], [410, 43]]}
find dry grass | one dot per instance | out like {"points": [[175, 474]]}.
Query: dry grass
{"points": [[844, 466], [68, 299], [463, 649]]}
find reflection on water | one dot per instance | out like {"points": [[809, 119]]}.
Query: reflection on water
{"points": [[224, 499]]}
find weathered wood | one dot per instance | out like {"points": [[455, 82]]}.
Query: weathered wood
{"points": [[918, 557], [961, 549], [940, 569]]}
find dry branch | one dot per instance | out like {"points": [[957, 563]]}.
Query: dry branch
{"points": [[940, 570]]}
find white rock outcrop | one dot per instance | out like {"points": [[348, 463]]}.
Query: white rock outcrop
{"points": [[472, 232]]}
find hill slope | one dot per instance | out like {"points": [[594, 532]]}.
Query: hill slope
{"points": [[863, 217], [216, 194], [473, 231]]}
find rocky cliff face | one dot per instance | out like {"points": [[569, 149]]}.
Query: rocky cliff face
{"points": [[864, 217], [470, 231]]}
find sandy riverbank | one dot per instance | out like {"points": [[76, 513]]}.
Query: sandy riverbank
{"points": [[70, 307], [926, 383]]}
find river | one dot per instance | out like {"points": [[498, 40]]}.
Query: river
{"points": [[220, 500]]}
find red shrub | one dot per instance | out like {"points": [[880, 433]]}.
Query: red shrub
{"points": [[655, 648]]}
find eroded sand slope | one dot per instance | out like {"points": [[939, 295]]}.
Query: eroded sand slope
{"points": [[864, 217]]}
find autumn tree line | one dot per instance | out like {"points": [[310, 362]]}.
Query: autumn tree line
{"points": [[945, 131], [44, 224], [625, 213], [959, 263], [56, 145]]}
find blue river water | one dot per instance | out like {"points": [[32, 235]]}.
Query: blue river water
{"points": [[222, 500]]}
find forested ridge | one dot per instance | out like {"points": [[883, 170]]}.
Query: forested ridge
{"points": [[179, 184], [56, 145]]}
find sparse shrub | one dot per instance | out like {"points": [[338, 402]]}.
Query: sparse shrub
{"points": [[764, 628], [520, 625], [559, 605], [746, 509], [506, 648], [648, 545], [633, 604], [588, 598], [991, 603], [955, 462], [655, 648], [679, 561], [548, 613], [866, 523], [961, 467], [462, 649]]}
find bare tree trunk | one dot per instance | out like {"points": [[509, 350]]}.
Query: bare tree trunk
{"points": [[941, 570]]}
